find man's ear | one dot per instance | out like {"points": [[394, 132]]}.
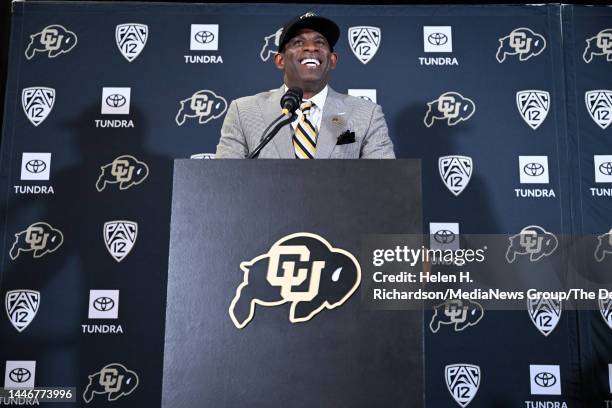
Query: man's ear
{"points": [[279, 60], [333, 59]]}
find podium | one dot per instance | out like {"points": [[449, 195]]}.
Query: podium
{"points": [[263, 301]]}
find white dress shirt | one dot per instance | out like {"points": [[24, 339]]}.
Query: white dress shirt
{"points": [[316, 112]]}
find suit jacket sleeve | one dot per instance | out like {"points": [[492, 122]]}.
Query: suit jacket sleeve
{"points": [[232, 144], [376, 143]]}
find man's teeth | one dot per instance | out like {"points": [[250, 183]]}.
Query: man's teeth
{"points": [[311, 62]]}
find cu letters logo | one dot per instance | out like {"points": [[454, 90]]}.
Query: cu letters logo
{"points": [[302, 269], [131, 39], [124, 170], [462, 381], [39, 237], [456, 312], [37, 103], [601, 44], [456, 172], [544, 314], [599, 105], [451, 107], [533, 105], [204, 105], [364, 42], [534, 241], [522, 42], [114, 380], [54, 40], [21, 307]]}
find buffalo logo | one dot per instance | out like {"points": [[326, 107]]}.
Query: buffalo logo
{"points": [[119, 238], [364, 42], [131, 39], [114, 380], [532, 240], [270, 47], [533, 106], [604, 246], [601, 44], [37, 103], [204, 105], [39, 237], [125, 170], [54, 39], [599, 105], [456, 312], [450, 106], [544, 313], [521, 41], [21, 307], [605, 308], [462, 381], [302, 269], [456, 172]]}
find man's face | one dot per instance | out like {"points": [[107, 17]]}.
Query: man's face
{"points": [[306, 61]]}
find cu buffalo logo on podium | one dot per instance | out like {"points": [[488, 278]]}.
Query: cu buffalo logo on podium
{"points": [[364, 42], [131, 39], [459, 313], [462, 381], [522, 42], [599, 45], [534, 241], [533, 105], [114, 380], [599, 105], [204, 105], [451, 107], [544, 314], [21, 307], [40, 237], [37, 103], [125, 170], [302, 269], [270, 47], [54, 40]]}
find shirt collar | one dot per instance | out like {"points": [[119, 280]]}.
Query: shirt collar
{"points": [[318, 100]]}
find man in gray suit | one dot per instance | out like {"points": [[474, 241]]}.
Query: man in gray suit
{"points": [[330, 125]]}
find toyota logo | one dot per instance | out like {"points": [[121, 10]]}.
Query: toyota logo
{"points": [[444, 236], [437, 38], [20, 375], [533, 169], [606, 168], [204, 37], [545, 380], [103, 304], [36, 166], [115, 100]]}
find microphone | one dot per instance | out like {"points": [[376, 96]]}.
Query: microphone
{"points": [[291, 100]]}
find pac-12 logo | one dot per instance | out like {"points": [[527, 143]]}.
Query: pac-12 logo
{"points": [[53, 40], [522, 42], [462, 381], [37, 102], [124, 170], [544, 314], [302, 269], [456, 172], [40, 237], [534, 241], [21, 307], [601, 44], [364, 42], [533, 105], [204, 105], [114, 380], [599, 105], [451, 107], [119, 238], [605, 308], [131, 39]]}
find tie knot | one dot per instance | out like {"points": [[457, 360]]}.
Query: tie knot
{"points": [[305, 106]]}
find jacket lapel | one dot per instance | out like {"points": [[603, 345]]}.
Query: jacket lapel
{"points": [[270, 108], [333, 118]]}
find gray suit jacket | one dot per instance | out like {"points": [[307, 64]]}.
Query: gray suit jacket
{"points": [[247, 118]]}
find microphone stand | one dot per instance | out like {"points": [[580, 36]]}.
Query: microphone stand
{"points": [[267, 136]]}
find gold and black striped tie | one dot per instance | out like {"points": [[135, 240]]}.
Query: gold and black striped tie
{"points": [[305, 135]]}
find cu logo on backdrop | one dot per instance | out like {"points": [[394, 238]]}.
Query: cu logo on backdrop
{"points": [[522, 42], [599, 45]]}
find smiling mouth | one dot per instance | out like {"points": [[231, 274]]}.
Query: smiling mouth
{"points": [[310, 62]]}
